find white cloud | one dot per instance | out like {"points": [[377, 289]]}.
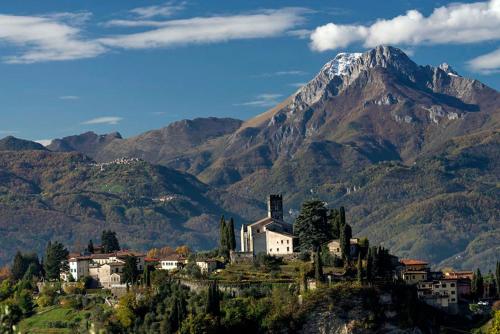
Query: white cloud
{"points": [[167, 9], [69, 97], [45, 39], [487, 63], [197, 30], [109, 120], [44, 142], [262, 100], [455, 23]]}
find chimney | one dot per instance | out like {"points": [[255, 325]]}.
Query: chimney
{"points": [[275, 207]]}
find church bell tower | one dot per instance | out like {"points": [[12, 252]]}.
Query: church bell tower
{"points": [[275, 207]]}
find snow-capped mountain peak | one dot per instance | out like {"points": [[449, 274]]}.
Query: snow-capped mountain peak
{"points": [[448, 69], [340, 64]]}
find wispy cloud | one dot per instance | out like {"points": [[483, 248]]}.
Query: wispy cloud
{"points": [[109, 120], [456, 23], [165, 10], [280, 73], [44, 142], [61, 36], [297, 84], [199, 30], [487, 63], [46, 38], [262, 100], [69, 97]]}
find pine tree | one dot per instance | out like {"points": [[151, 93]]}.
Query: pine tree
{"points": [[334, 221], [90, 247], [109, 242], [56, 260], [311, 226], [360, 269], [232, 237]]}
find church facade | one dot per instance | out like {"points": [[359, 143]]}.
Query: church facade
{"points": [[270, 235]]}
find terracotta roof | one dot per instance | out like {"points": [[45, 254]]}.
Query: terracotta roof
{"points": [[413, 262], [173, 257]]}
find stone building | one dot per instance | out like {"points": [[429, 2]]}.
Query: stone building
{"points": [[270, 235]]}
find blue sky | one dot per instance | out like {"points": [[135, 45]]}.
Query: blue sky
{"points": [[131, 66]]}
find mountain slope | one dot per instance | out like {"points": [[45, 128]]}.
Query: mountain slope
{"points": [[68, 197], [11, 143], [410, 150]]}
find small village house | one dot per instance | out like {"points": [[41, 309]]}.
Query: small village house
{"points": [[172, 262], [441, 293], [207, 266], [335, 249]]}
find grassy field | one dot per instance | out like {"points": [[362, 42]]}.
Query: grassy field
{"points": [[51, 320]]}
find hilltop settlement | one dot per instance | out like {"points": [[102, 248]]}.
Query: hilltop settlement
{"points": [[312, 276]]}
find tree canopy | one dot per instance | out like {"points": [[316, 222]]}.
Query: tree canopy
{"points": [[311, 225]]}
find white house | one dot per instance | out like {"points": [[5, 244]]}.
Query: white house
{"points": [[79, 267], [270, 235], [207, 266], [172, 262]]}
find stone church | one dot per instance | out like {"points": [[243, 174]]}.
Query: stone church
{"points": [[270, 235]]}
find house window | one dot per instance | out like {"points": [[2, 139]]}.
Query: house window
{"points": [[282, 242], [452, 285], [453, 292], [288, 249], [287, 242], [258, 230], [452, 299], [277, 249], [270, 249], [444, 285]]}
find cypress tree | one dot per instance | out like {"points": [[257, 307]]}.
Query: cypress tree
{"points": [[318, 266], [232, 237], [497, 278], [146, 276], [90, 247], [223, 240], [478, 284], [345, 241], [369, 269], [213, 301], [342, 216], [360, 269], [18, 266], [109, 242]]}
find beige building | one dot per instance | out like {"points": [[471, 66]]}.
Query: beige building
{"points": [[207, 266], [334, 247], [412, 277], [441, 293], [78, 267], [108, 274], [270, 235]]}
